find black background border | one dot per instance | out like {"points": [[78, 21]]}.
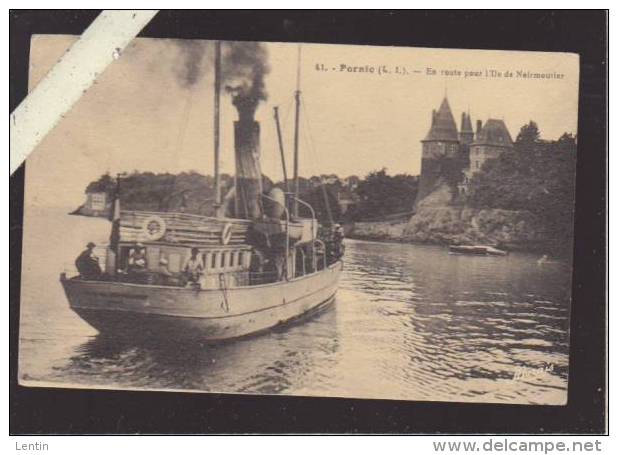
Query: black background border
{"points": [[65, 411]]}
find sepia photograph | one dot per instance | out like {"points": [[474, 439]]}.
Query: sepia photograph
{"points": [[316, 220]]}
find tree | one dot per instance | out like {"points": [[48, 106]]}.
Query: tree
{"points": [[539, 177], [381, 194], [324, 203], [105, 184], [528, 136]]}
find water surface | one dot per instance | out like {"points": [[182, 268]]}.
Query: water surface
{"points": [[409, 322]]}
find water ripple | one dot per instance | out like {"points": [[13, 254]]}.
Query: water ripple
{"points": [[410, 322]]}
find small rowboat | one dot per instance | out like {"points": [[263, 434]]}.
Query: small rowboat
{"points": [[478, 250]]}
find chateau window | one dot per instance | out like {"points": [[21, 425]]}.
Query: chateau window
{"points": [[478, 164]]}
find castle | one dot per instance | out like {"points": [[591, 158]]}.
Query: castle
{"points": [[451, 158]]}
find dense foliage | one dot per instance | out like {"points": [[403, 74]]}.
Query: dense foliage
{"points": [[332, 198], [381, 194], [148, 191], [538, 176], [323, 199]]}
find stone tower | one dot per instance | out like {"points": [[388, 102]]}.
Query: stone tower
{"points": [[492, 139], [441, 141]]}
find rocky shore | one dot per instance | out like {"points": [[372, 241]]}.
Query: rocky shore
{"points": [[514, 230]]}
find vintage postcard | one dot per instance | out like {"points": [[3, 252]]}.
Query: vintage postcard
{"points": [[314, 220]]}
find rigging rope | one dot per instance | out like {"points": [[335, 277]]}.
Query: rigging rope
{"points": [[180, 144], [183, 126], [314, 156], [281, 147], [286, 114]]}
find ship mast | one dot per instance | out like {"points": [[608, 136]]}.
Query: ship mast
{"points": [[296, 126], [281, 151], [218, 205]]}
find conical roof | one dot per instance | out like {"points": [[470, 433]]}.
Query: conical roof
{"points": [[494, 132], [443, 127], [466, 124]]}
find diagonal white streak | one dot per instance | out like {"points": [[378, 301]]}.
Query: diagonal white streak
{"points": [[101, 43]]}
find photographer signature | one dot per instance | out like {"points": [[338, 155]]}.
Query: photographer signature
{"points": [[523, 373]]}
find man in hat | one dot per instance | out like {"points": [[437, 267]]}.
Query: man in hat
{"points": [[87, 263]]}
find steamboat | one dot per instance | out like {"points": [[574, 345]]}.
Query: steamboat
{"points": [[262, 261]]}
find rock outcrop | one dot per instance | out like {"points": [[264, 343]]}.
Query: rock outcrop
{"points": [[378, 230], [459, 225], [463, 225]]}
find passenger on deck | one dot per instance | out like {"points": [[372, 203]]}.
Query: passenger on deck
{"points": [[194, 266], [137, 259], [257, 262], [165, 276], [279, 262], [88, 264]]}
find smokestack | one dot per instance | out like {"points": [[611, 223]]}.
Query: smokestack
{"points": [[248, 171], [433, 117], [479, 126], [245, 68]]}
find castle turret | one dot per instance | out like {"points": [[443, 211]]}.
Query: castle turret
{"points": [[466, 133], [491, 140], [441, 141]]}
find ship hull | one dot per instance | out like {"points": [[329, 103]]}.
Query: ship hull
{"points": [[136, 310]]}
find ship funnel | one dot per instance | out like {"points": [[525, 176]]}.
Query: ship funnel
{"points": [[248, 171]]}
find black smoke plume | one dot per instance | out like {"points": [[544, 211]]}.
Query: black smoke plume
{"points": [[195, 56], [244, 66]]}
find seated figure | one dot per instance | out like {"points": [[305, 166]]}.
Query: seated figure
{"points": [[87, 263], [137, 259], [193, 267]]}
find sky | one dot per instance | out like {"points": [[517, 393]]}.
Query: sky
{"points": [[146, 112]]}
